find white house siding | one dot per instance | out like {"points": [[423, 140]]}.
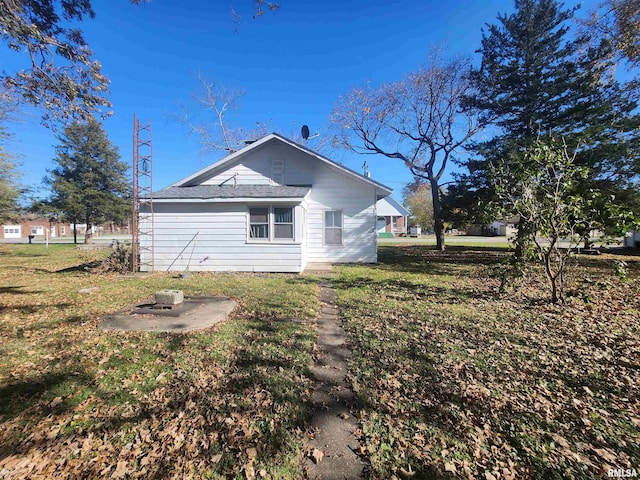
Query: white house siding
{"points": [[221, 244], [244, 175], [256, 167], [12, 231], [334, 191]]}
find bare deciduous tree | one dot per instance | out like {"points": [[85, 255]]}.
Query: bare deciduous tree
{"points": [[618, 22], [211, 124], [417, 120]]}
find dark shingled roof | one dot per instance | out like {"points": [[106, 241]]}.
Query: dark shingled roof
{"points": [[229, 191]]}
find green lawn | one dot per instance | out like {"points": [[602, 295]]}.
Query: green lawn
{"points": [[222, 403], [458, 381]]}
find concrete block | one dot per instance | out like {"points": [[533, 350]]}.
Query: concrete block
{"points": [[169, 297]]}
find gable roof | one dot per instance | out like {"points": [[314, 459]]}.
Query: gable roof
{"points": [[201, 175], [228, 192], [388, 206]]}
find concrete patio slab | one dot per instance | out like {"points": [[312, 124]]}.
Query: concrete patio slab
{"points": [[195, 313]]}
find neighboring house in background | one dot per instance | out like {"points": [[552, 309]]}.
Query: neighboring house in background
{"points": [[273, 206], [392, 217], [505, 227], [38, 227]]}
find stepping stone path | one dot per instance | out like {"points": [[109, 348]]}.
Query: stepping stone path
{"points": [[333, 447]]}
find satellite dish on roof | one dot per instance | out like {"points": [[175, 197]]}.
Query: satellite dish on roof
{"points": [[305, 132]]}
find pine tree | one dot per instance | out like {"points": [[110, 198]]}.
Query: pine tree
{"points": [[89, 184], [537, 79]]}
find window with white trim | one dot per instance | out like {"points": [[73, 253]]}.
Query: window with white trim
{"points": [[271, 224], [283, 223], [333, 227], [259, 223], [63, 231]]}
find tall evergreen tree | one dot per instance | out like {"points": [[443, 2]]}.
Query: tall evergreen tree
{"points": [[89, 184], [536, 78]]}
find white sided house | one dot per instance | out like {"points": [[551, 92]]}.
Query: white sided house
{"points": [[273, 206], [392, 217]]}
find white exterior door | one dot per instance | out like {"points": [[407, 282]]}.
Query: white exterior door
{"points": [[381, 224], [12, 231]]}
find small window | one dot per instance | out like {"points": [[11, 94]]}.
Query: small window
{"points": [[259, 222], [283, 223], [333, 228], [63, 231], [277, 172]]}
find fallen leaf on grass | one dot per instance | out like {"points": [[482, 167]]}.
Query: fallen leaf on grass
{"points": [[560, 440], [317, 455], [251, 453], [406, 473], [120, 471], [249, 472]]}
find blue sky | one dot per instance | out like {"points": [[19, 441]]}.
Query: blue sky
{"points": [[293, 66]]}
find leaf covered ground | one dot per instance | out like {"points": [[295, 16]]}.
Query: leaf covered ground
{"points": [[228, 402], [458, 381]]}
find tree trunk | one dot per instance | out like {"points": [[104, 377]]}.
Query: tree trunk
{"points": [[552, 279], [522, 243], [438, 223], [75, 233]]}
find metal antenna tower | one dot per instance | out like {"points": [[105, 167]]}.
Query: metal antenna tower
{"points": [[142, 222]]}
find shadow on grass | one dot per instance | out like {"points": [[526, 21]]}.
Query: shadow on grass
{"points": [[15, 398], [83, 267], [420, 257], [412, 291], [23, 254], [17, 290], [304, 280], [32, 308], [259, 390]]}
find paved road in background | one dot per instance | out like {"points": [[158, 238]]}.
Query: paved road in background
{"points": [[454, 239], [462, 240]]}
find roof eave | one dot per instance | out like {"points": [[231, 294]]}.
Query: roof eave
{"points": [[231, 200]]}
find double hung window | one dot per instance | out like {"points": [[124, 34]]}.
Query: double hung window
{"points": [[283, 223], [333, 227], [271, 223], [259, 223]]}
